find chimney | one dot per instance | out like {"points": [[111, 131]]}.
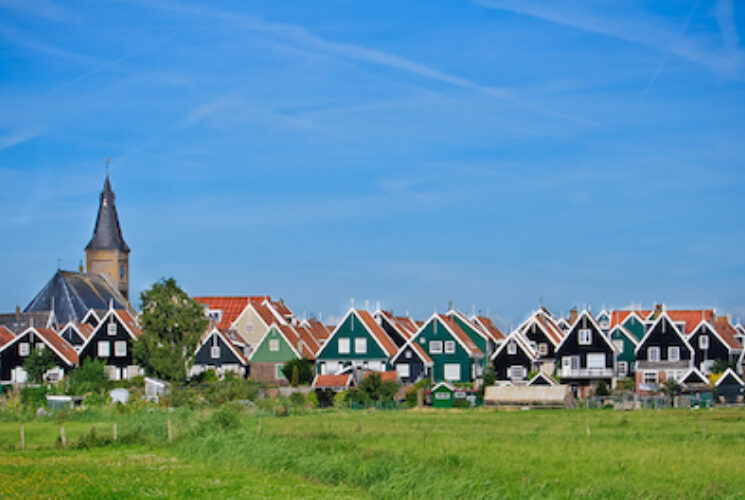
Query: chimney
{"points": [[573, 314], [80, 266], [450, 305], [657, 310], [18, 314]]}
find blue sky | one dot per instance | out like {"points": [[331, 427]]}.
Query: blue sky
{"points": [[492, 153]]}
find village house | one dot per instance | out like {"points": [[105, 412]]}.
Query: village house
{"points": [[222, 351], [663, 353], [111, 342], [16, 350], [514, 359]]}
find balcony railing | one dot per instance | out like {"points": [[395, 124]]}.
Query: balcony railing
{"points": [[586, 373]]}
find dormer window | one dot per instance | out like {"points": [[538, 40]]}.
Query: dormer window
{"points": [[585, 336], [214, 315]]}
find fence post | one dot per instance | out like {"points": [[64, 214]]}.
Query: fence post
{"points": [[170, 431], [114, 432], [23, 439], [63, 436], [587, 424]]}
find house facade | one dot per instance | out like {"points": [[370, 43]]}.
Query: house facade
{"points": [[15, 352], [663, 353], [111, 342], [514, 359], [220, 351]]}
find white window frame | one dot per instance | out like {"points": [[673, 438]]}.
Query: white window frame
{"points": [[623, 368], [512, 348], [703, 341], [435, 346], [274, 345], [656, 351], [449, 346], [343, 345], [673, 349], [585, 336], [516, 372], [24, 349], [278, 371], [407, 354], [619, 346], [360, 345], [103, 349], [448, 371], [111, 328], [120, 348], [40, 347], [215, 352], [543, 349], [403, 370], [650, 377], [595, 357]]}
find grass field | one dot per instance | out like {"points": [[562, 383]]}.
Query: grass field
{"points": [[397, 454]]}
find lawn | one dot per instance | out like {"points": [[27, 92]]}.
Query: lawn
{"points": [[386, 454]]}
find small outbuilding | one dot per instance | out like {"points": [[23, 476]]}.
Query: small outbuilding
{"points": [[155, 388], [730, 387]]}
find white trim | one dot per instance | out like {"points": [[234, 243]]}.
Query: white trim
{"points": [[586, 314], [89, 313], [624, 332], [542, 375], [103, 322], [533, 320], [446, 384], [675, 329], [364, 325], [225, 341], [517, 337], [33, 329], [724, 375], [403, 348], [465, 319], [697, 372], [438, 318], [704, 322], [282, 334]]}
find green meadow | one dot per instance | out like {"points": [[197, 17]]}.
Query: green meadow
{"points": [[378, 454]]}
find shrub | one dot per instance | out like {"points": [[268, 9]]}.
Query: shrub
{"points": [[304, 371], [34, 396], [340, 399], [313, 399], [225, 418], [602, 389], [297, 399], [461, 403], [92, 439], [89, 377]]}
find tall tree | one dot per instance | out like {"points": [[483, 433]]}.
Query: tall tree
{"points": [[171, 326], [37, 364]]}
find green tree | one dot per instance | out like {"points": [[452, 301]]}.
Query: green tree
{"points": [[90, 377], [671, 387], [602, 389], [38, 363], [172, 324], [720, 366], [304, 371], [295, 380], [374, 389]]}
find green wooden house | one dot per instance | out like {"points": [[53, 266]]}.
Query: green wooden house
{"points": [[278, 346], [443, 395], [625, 343], [357, 341], [455, 356], [481, 338]]}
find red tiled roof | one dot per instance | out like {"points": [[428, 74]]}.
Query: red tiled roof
{"points": [[458, 332], [692, 318], [331, 381], [5, 335], [266, 314], [59, 344], [552, 330], [317, 329], [130, 322], [281, 308], [231, 307], [618, 317], [488, 325], [311, 346], [389, 376], [422, 352], [727, 332], [374, 328], [84, 329]]}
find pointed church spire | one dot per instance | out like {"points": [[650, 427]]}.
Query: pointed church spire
{"points": [[107, 235]]}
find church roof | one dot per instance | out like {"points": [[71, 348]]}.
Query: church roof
{"points": [[107, 235], [71, 295]]}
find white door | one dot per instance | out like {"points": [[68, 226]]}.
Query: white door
{"points": [[19, 375]]}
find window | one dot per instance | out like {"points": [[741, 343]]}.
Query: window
{"points": [[24, 349], [452, 371], [449, 346], [442, 395], [274, 345], [215, 352], [214, 315], [703, 342], [543, 349], [375, 365], [111, 328], [650, 378], [623, 368], [619, 346], [120, 348], [596, 360], [104, 349], [40, 347], [585, 336], [653, 354], [512, 347], [278, 371], [402, 370], [435, 347], [422, 340], [407, 354], [121, 272], [344, 345], [360, 345], [673, 353], [517, 372]]}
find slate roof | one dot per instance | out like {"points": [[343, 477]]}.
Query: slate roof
{"points": [[19, 323], [107, 234], [70, 295]]}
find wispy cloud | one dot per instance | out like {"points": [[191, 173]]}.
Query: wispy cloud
{"points": [[308, 40], [27, 41], [648, 31], [42, 9], [18, 137]]}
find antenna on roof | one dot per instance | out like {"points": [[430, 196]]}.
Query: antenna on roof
{"points": [[473, 309], [351, 301], [59, 263]]}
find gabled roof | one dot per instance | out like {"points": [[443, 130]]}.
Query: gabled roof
{"points": [[542, 379], [547, 326], [489, 327], [56, 343], [453, 314], [447, 385], [71, 295], [457, 332], [227, 339], [107, 235], [292, 337], [332, 381], [126, 320], [623, 331], [281, 308], [376, 331], [403, 325], [231, 307], [694, 376], [5, 335], [84, 330], [418, 350], [317, 329], [91, 314], [723, 331], [620, 317], [663, 317], [589, 317], [732, 376], [520, 341]]}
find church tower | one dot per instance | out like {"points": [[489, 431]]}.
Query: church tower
{"points": [[107, 253]]}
